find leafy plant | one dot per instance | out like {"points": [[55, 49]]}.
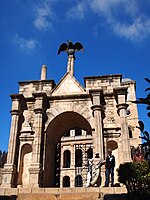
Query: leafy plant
{"points": [[136, 178], [145, 135], [145, 100]]}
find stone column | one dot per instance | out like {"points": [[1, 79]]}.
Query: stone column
{"points": [[10, 167], [121, 109], [97, 108], [125, 132], [35, 168], [70, 65]]}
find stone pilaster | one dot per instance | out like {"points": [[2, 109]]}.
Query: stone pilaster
{"points": [[35, 168], [121, 94], [9, 170], [61, 166], [72, 156], [97, 109]]}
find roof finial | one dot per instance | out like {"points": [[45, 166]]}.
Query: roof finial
{"points": [[44, 72], [70, 49]]}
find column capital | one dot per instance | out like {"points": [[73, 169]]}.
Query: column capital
{"points": [[16, 97], [121, 106], [15, 112], [97, 107]]}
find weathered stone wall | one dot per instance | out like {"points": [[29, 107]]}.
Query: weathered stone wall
{"points": [[0, 176]]}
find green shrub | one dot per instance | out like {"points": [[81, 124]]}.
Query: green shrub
{"points": [[136, 178]]}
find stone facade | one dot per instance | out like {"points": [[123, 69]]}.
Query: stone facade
{"points": [[56, 128]]}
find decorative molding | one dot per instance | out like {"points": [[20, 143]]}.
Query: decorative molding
{"points": [[121, 106], [97, 107], [15, 112], [39, 111]]}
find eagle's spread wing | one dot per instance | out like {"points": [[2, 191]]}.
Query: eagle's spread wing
{"points": [[63, 47], [78, 46]]}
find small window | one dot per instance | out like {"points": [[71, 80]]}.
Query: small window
{"points": [[78, 158], [66, 159], [66, 181], [78, 181], [78, 131]]}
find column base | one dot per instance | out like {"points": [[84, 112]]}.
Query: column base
{"points": [[35, 175], [8, 176]]}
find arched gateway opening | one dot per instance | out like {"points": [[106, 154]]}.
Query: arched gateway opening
{"points": [[57, 128]]}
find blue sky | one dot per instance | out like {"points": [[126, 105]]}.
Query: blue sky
{"points": [[115, 35]]}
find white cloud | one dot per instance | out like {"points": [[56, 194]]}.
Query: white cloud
{"points": [[136, 31], [124, 17], [27, 44], [77, 11], [112, 9], [44, 16]]}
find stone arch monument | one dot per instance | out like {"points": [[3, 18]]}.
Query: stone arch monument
{"points": [[49, 119]]}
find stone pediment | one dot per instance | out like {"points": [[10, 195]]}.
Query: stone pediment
{"points": [[68, 86]]}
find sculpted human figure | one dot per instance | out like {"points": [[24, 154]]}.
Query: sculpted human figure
{"points": [[94, 176]]}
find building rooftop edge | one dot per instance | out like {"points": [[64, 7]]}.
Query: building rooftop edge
{"points": [[36, 81], [103, 76]]}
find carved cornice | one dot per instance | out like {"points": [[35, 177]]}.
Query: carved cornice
{"points": [[72, 96], [39, 94], [20, 99], [94, 92], [35, 168], [120, 91], [43, 98], [26, 136]]}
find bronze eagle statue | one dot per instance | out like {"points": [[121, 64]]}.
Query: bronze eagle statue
{"points": [[70, 48]]}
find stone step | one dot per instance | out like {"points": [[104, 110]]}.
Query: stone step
{"points": [[108, 193], [67, 196]]}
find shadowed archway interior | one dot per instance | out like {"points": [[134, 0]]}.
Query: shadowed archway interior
{"points": [[56, 129]]}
